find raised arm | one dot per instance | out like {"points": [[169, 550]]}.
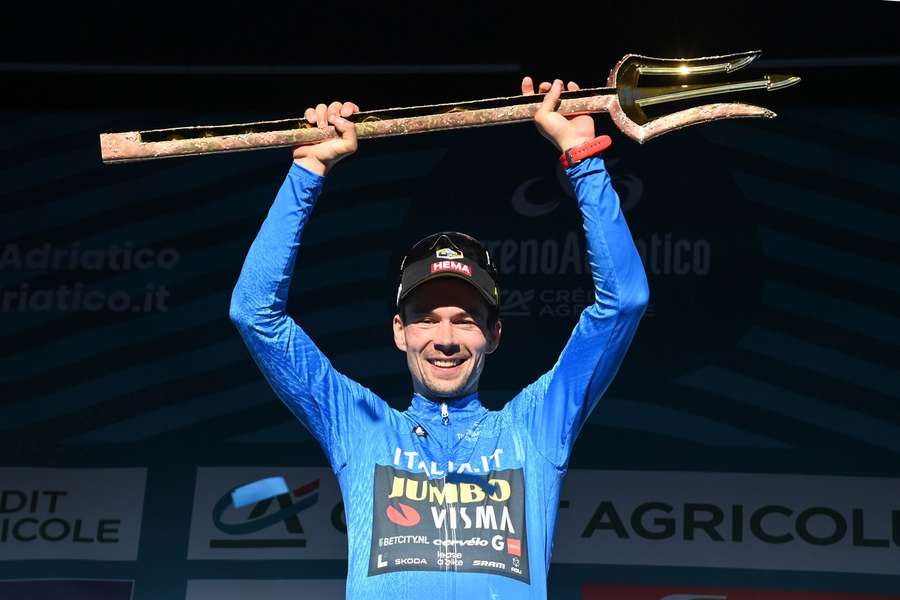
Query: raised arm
{"points": [[328, 403], [556, 406]]}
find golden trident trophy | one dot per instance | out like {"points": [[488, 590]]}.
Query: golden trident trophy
{"points": [[636, 89]]}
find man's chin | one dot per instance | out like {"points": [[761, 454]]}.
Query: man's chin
{"points": [[445, 393]]}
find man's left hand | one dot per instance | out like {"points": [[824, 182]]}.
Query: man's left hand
{"points": [[564, 132]]}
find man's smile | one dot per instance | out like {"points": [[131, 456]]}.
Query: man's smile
{"points": [[446, 363]]}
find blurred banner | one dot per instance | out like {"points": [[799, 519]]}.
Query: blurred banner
{"points": [[237, 589], [732, 521], [83, 514], [638, 592]]}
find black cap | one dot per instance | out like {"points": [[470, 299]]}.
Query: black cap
{"points": [[449, 254]]}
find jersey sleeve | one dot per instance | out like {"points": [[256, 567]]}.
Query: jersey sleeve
{"points": [[331, 405], [555, 407]]}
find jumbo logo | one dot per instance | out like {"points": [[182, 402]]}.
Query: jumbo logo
{"points": [[403, 515], [451, 265], [498, 490]]}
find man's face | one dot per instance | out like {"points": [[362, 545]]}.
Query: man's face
{"points": [[444, 333]]}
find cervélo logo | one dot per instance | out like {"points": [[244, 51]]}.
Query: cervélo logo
{"points": [[306, 522]]}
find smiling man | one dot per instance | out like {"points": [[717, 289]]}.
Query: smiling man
{"points": [[446, 499], [447, 317]]}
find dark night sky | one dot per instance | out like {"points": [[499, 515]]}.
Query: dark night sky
{"points": [[580, 45], [270, 32]]}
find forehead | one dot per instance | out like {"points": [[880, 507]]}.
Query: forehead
{"points": [[447, 292]]}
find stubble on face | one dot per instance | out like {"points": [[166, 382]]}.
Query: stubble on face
{"points": [[445, 335]]}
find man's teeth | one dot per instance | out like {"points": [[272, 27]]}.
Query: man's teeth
{"points": [[446, 363]]}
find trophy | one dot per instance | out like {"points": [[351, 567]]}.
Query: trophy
{"points": [[645, 97]]}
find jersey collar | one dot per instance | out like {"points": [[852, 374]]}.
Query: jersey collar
{"points": [[464, 407]]}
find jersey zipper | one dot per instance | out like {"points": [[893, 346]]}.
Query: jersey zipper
{"points": [[445, 419], [450, 566]]}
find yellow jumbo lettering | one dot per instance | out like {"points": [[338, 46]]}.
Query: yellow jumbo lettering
{"points": [[449, 494], [470, 492], [504, 490], [416, 490], [412, 489], [396, 488]]}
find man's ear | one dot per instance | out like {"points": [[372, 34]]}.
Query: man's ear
{"points": [[494, 337], [399, 336]]}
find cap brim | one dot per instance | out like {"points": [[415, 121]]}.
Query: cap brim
{"points": [[486, 295]]}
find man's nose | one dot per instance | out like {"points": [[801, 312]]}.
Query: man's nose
{"points": [[444, 338]]}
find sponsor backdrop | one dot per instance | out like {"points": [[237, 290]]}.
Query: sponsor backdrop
{"points": [[747, 449]]}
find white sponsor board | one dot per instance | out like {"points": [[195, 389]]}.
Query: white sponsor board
{"points": [[241, 589], [81, 514], [687, 519], [729, 520], [307, 523]]}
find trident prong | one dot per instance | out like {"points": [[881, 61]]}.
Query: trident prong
{"points": [[659, 95], [627, 108], [728, 66]]}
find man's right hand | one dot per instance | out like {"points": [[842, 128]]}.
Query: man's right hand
{"points": [[319, 158]]}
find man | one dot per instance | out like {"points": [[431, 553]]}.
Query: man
{"points": [[446, 499]]}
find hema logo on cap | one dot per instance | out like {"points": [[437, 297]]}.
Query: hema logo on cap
{"points": [[449, 254], [451, 265]]}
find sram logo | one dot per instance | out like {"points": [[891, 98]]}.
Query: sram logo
{"points": [[451, 265]]}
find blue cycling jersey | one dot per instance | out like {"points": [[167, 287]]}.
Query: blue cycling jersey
{"points": [[445, 500]]}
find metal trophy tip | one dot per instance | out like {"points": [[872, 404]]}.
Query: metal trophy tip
{"points": [[777, 82]]}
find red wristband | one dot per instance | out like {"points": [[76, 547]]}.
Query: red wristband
{"points": [[593, 147]]}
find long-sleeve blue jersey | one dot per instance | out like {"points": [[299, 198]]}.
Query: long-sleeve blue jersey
{"points": [[461, 505]]}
